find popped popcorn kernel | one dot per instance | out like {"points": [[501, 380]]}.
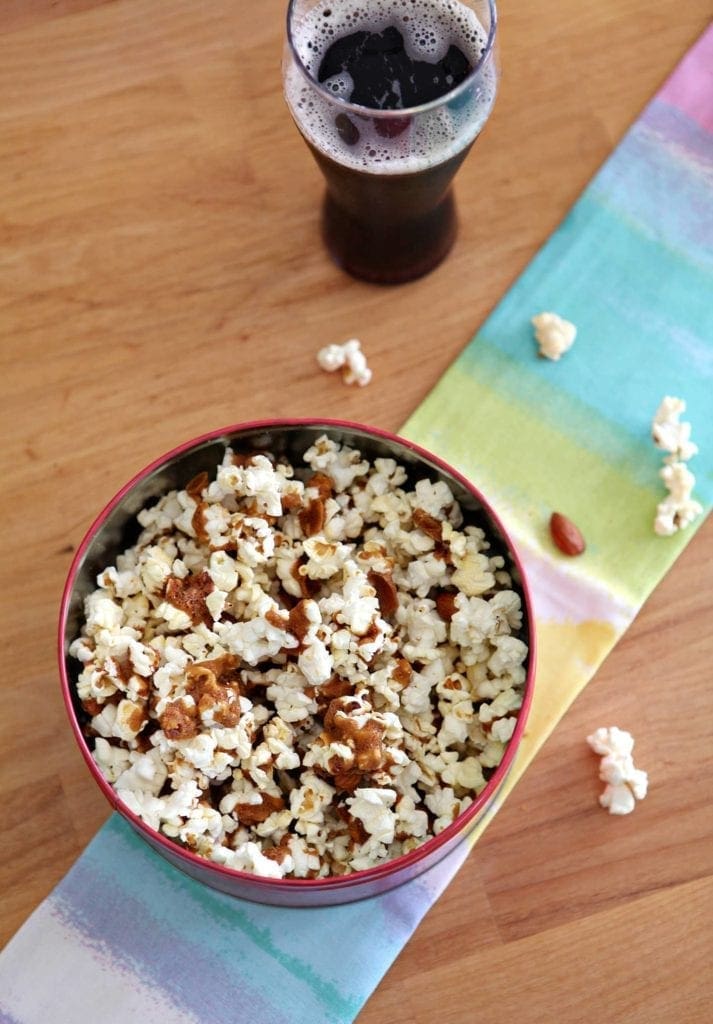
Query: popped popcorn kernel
{"points": [[305, 670], [347, 357], [373, 808], [669, 434], [554, 335], [625, 784], [679, 509]]}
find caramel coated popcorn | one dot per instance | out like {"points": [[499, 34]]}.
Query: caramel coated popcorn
{"points": [[302, 671]]}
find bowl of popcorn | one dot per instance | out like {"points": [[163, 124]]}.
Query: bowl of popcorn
{"points": [[297, 657]]}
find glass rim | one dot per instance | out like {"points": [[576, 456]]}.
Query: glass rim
{"points": [[362, 111]]}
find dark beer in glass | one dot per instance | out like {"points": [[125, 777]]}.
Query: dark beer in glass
{"points": [[389, 96]]}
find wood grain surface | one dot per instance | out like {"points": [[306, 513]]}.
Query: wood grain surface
{"points": [[161, 274]]}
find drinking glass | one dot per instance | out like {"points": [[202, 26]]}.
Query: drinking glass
{"points": [[389, 214]]}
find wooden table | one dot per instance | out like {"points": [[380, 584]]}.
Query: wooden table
{"points": [[161, 274]]}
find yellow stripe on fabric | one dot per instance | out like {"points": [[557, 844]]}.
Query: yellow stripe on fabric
{"points": [[568, 656]]}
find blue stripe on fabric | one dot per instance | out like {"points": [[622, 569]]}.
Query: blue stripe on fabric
{"points": [[645, 325]]}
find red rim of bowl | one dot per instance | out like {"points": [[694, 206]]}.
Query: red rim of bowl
{"points": [[397, 864]]}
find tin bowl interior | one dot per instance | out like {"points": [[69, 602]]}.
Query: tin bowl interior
{"points": [[116, 529]]}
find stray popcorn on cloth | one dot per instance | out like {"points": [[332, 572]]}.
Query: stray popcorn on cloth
{"points": [[669, 434], [625, 784], [679, 509], [302, 670], [347, 357], [554, 334]]}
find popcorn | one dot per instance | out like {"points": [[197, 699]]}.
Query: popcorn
{"points": [[472, 575], [347, 357], [433, 498], [467, 774], [304, 670], [305, 861], [471, 625], [101, 612], [612, 741], [248, 857], [145, 772], [111, 761], [154, 569], [168, 811], [315, 661], [423, 574], [372, 808], [279, 739], [129, 720], [261, 481], [416, 697], [201, 821], [669, 434], [625, 783], [223, 570], [502, 729], [288, 694], [343, 465], [424, 628], [505, 702], [176, 620], [679, 509], [446, 807], [509, 655], [360, 606], [554, 334], [324, 558], [308, 803], [259, 638]]}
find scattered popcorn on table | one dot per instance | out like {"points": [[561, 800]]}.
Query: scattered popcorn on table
{"points": [[302, 671], [554, 334], [348, 358], [679, 509], [625, 784]]}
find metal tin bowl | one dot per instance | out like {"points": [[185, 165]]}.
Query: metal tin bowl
{"points": [[115, 529]]}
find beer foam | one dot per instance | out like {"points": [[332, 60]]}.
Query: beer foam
{"points": [[429, 27]]}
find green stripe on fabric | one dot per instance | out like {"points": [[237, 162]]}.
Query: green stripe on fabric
{"points": [[528, 467]]}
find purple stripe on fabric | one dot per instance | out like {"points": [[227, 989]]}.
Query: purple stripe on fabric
{"points": [[402, 911], [405, 907], [7, 1018], [120, 928], [690, 87], [675, 129], [295, 953], [244, 940]]}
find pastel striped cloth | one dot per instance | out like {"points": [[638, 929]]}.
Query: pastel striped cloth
{"points": [[127, 937]]}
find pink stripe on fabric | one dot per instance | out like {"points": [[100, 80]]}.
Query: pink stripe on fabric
{"points": [[690, 87]]}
